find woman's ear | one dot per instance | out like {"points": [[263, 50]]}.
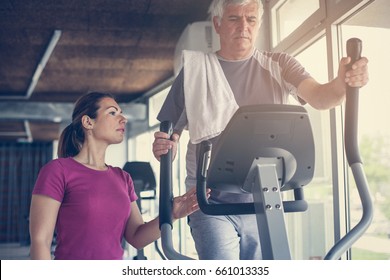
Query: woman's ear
{"points": [[87, 122]]}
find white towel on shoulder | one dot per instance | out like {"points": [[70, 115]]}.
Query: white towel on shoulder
{"points": [[209, 100]]}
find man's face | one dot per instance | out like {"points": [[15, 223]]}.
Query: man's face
{"points": [[238, 30]]}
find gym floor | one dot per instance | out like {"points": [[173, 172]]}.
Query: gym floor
{"points": [[14, 251]]}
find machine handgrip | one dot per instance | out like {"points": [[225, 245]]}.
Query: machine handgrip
{"points": [[166, 195], [354, 49], [166, 200]]}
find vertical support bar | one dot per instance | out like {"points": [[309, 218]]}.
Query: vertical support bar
{"points": [[270, 214]]}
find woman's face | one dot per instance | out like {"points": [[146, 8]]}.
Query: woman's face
{"points": [[110, 124]]}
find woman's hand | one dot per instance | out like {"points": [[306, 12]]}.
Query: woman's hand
{"points": [[186, 204]]}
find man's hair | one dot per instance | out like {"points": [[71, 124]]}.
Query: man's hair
{"points": [[217, 7]]}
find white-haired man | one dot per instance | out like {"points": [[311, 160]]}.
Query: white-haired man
{"points": [[237, 74]]}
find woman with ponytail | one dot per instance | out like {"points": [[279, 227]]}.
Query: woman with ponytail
{"points": [[90, 205]]}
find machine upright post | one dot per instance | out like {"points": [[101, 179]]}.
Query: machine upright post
{"points": [[270, 214]]}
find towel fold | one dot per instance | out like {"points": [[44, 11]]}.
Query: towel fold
{"points": [[209, 100]]}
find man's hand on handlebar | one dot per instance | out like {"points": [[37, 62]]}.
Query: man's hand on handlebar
{"points": [[162, 144]]}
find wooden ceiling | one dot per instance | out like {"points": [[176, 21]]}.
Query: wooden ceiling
{"points": [[125, 47]]}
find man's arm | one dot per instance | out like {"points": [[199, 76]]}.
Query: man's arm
{"points": [[162, 144], [329, 95]]}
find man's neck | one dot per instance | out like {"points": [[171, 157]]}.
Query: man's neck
{"points": [[236, 55]]}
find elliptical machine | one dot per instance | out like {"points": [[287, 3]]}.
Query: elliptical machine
{"points": [[279, 156]]}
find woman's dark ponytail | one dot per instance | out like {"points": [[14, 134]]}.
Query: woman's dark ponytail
{"points": [[69, 145]]}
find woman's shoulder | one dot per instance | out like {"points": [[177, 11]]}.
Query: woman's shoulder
{"points": [[59, 165], [59, 162], [118, 170]]}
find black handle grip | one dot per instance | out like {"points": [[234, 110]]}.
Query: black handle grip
{"points": [[354, 50], [166, 193]]}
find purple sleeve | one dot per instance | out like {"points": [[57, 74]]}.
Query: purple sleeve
{"points": [[51, 181], [132, 195]]}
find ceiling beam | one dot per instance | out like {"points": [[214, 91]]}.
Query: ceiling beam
{"points": [[41, 65], [59, 112]]}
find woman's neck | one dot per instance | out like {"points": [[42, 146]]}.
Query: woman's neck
{"points": [[92, 157]]}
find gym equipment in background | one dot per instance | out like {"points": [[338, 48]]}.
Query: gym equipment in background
{"points": [[145, 187]]}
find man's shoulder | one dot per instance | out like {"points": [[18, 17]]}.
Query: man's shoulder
{"points": [[271, 55]]}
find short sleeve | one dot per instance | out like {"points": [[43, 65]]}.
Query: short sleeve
{"points": [[51, 181], [173, 105], [130, 184]]}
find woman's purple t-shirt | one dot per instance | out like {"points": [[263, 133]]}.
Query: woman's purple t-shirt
{"points": [[95, 207]]}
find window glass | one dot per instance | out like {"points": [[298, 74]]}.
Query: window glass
{"points": [[290, 14], [374, 132]]}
